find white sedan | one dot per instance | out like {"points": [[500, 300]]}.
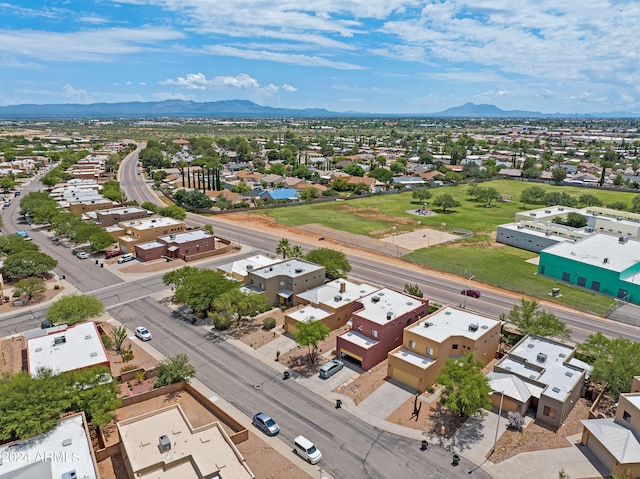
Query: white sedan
{"points": [[143, 333], [82, 255]]}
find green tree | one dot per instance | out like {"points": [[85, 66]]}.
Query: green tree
{"points": [[119, 335], [100, 241], [488, 195], [421, 194], [241, 188], [465, 388], [445, 202], [635, 204], [30, 287], [335, 263], [574, 220], [310, 333], [587, 199], [173, 211], [238, 306], [559, 175], [6, 183], [413, 290], [559, 198], [309, 194], [615, 361], [532, 195], [174, 370], [33, 200], [95, 392], [353, 169], [45, 213], [283, 248], [528, 318], [176, 277], [618, 205], [12, 244], [148, 205], [199, 290], [28, 263], [74, 308], [296, 252]]}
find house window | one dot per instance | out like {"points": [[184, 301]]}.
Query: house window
{"points": [[549, 411], [595, 285], [412, 344], [626, 416], [429, 351], [455, 346], [374, 333], [566, 276]]}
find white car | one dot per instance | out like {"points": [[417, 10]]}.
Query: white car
{"points": [[82, 255], [143, 333]]}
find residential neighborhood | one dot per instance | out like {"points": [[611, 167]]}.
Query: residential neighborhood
{"points": [[379, 304]]}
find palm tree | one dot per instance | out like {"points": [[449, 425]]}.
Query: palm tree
{"points": [[296, 252], [284, 248]]}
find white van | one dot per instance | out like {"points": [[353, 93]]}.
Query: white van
{"points": [[126, 257], [306, 449]]}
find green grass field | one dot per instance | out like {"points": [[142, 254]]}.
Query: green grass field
{"points": [[504, 267]]}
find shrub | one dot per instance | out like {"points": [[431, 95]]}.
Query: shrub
{"points": [[127, 355], [129, 367], [57, 286], [107, 341], [221, 322], [16, 294], [140, 376], [269, 323]]}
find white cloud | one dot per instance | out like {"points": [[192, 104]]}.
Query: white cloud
{"points": [[287, 87], [295, 59], [241, 80], [87, 45]]}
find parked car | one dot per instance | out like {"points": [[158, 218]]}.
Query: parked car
{"points": [[82, 255], [306, 449], [17, 193], [112, 253], [46, 324], [126, 257], [265, 424], [143, 333], [329, 369], [474, 293], [7, 203]]}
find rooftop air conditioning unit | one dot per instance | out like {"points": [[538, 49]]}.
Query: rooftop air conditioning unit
{"points": [[375, 299], [473, 327], [337, 298], [389, 315], [541, 358], [299, 270], [164, 443], [249, 267], [605, 261], [59, 340]]}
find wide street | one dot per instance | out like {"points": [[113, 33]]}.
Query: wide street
{"points": [[351, 447]]}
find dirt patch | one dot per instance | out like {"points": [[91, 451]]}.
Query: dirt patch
{"points": [[358, 389], [297, 358], [141, 358], [537, 436], [253, 333], [151, 266], [266, 463], [11, 350], [48, 295]]}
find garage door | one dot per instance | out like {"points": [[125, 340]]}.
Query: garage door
{"points": [[601, 453], [405, 378], [351, 355]]}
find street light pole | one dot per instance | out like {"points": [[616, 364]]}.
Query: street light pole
{"points": [[495, 440], [466, 286]]}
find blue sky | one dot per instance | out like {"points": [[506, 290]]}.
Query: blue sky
{"points": [[376, 56]]}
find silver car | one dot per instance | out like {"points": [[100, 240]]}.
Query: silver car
{"points": [[143, 333], [265, 424]]}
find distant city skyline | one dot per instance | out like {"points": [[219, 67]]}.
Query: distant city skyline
{"points": [[367, 56]]}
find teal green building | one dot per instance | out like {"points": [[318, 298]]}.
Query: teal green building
{"points": [[606, 263]]}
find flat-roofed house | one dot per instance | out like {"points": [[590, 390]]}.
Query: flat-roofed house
{"points": [[448, 333], [376, 325], [332, 303], [163, 444], [282, 281]]}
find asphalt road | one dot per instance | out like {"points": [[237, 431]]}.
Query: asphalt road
{"points": [[351, 448]]}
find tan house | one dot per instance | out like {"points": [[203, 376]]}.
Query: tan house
{"points": [[143, 231], [332, 303], [163, 444], [448, 333], [282, 281], [113, 216], [616, 441], [539, 374]]}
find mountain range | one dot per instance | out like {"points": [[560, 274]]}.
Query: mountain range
{"points": [[248, 109]]}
